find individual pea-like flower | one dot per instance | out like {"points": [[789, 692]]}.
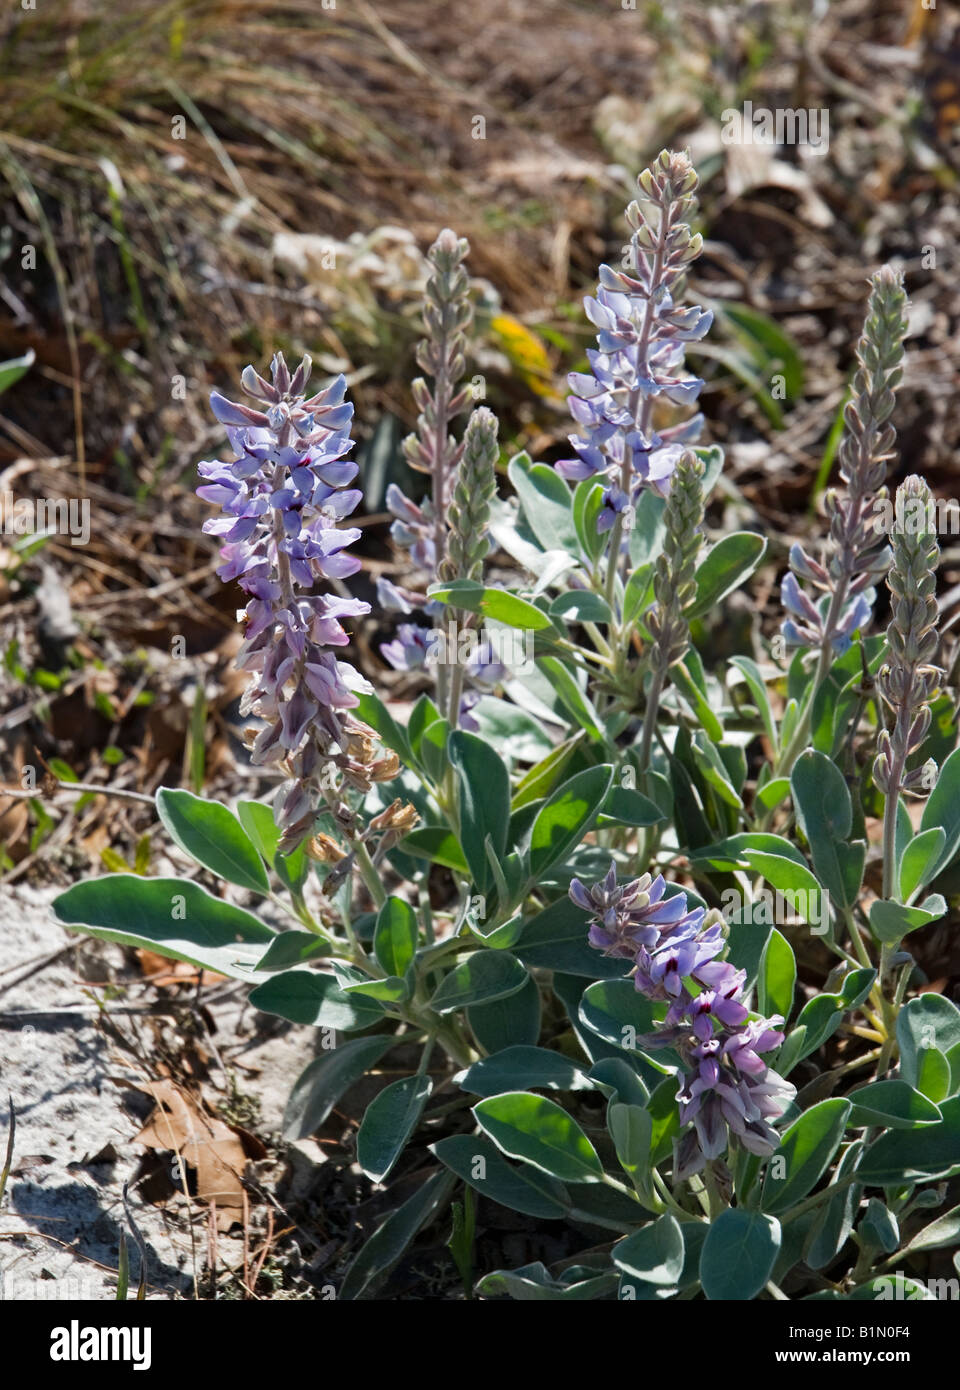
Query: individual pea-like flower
{"points": [[642, 329], [409, 648], [726, 1089], [282, 498], [485, 672], [413, 648]]}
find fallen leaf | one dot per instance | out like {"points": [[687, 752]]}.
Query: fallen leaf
{"points": [[159, 970], [205, 1143]]}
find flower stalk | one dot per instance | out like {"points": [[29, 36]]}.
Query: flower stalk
{"points": [[908, 680], [860, 555], [674, 585]]}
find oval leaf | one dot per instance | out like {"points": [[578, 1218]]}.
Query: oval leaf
{"points": [[212, 836], [738, 1254], [541, 1133]]}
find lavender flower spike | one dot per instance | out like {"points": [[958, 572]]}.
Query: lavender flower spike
{"points": [[282, 497], [642, 329], [727, 1090]]}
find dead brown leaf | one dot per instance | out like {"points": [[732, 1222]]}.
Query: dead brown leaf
{"points": [[159, 970], [205, 1143]]}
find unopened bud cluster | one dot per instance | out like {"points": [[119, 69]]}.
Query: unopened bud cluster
{"points": [[908, 680], [860, 557]]}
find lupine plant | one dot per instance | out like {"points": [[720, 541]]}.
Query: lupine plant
{"points": [[646, 920]]}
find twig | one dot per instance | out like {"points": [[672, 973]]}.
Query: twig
{"points": [[80, 788]]}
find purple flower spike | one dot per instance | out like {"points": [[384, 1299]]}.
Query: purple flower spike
{"points": [[282, 498], [641, 336], [727, 1088]]}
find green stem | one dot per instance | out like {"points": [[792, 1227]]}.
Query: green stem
{"points": [[650, 717]]}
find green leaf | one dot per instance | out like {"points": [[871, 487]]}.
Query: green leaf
{"points": [[919, 857], [13, 369], [514, 732], [836, 1217], [556, 939], [727, 855], [821, 1016], [666, 1119], [746, 943], [648, 530], [786, 875], [514, 1019], [432, 750], [533, 1284], [581, 606], [483, 976], [541, 1133], [905, 1156], [324, 1080], [392, 990], [540, 781], [928, 1023], [890, 1286], [738, 1254], [697, 701], [478, 1161], [565, 818], [618, 1013], [942, 809], [878, 1229], [388, 1122], [392, 1236], [623, 806], [257, 820], [806, 1148], [438, 844], [306, 996], [571, 696], [638, 595], [728, 564], [631, 1129], [892, 1104], [772, 793], [587, 505], [395, 936], [757, 686], [484, 802], [546, 502], [292, 948], [654, 1254], [934, 1075], [422, 716], [617, 1079], [212, 836], [778, 976], [172, 916], [944, 1232], [375, 713], [521, 1069], [825, 815], [890, 921], [774, 351], [496, 604]]}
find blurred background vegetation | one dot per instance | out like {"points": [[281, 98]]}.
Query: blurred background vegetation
{"points": [[205, 181]]}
